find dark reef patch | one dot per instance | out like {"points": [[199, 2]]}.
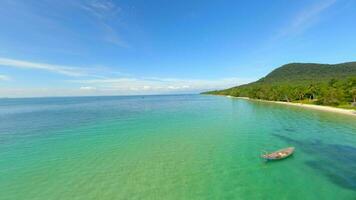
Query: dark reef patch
{"points": [[335, 161]]}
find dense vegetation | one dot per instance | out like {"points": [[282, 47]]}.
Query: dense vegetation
{"points": [[322, 84]]}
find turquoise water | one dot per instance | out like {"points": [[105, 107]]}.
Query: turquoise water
{"points": [[172, 147]]}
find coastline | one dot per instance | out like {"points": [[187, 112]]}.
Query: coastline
{"points": [[314, 107]]}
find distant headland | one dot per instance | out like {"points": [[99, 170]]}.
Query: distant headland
{"points": [[306, 83]]}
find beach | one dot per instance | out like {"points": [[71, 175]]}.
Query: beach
{"points": [[309, 106]]}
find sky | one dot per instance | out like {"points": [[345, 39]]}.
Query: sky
{"points": [[135, 47]]}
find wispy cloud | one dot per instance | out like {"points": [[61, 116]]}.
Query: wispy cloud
{"points": [[4, 78], [159, 85], [90, 82], [106, 13], [306, 18], [125, 86], [44, 92], [301, 21], [59, 69], [101, 8], [113, 37]]}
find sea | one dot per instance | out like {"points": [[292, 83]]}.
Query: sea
{"points": [[172, 147]]}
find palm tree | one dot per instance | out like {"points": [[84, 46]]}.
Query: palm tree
{"points": [[313, 90]]}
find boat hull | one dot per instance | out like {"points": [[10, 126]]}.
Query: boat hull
{"points": [[280, 154]]}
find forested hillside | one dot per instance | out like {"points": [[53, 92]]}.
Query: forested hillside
{"points": [[322, 84]]}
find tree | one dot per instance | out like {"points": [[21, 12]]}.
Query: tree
{"points": [[312, 91], [332, 96], [353, 93]]}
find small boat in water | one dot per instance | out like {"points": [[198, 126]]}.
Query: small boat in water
{"points": [[280, 154]]}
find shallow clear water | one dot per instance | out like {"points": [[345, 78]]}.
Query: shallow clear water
{"points": [[172, 147]]}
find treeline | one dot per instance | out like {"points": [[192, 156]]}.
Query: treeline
{"points": [[323, 84], [333, 92]]}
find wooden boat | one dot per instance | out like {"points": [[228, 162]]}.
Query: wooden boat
{"points": [[280, 154]]}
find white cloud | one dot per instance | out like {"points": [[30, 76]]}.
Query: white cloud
{"points": [[59, 69], [43, 92], [146, 87], [100, 84], [161, 85], [87, 88], [4, 78], [126, 86], [306, 18]]}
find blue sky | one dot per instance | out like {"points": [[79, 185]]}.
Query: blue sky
{"points": [[107, 47]]}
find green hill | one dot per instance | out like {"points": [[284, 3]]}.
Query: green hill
{"points": [[301, 72], [307, 82]]}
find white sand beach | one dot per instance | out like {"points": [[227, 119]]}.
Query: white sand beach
{"points": [[315, 107]]}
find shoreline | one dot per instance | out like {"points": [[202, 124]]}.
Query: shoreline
{"points": [[314, 107]]}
